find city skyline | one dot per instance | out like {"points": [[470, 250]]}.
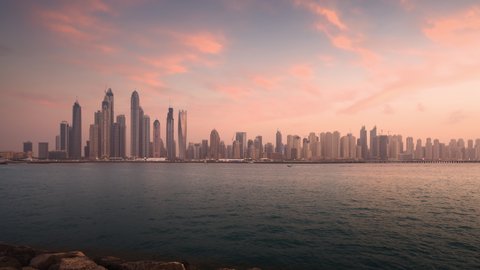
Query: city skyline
{"points": [[298, 66], [107, 141]]}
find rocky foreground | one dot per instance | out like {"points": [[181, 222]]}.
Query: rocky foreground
{"points": [[27, 258]]}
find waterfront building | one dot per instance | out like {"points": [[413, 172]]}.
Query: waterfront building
{"points": [[156, 139], [94, 141], [214, 144], [76, 135], [258, 145], [364, 143], [278, 142], [241, 137], [64, 136], [383, 147], [182, 134], [119, 139], [42, 150], [105, 129], [419, 150], [27, 147], [374, 143], [135, 125], [170, 139], [146, 136]]}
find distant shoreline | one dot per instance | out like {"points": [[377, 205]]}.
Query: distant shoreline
{"points": [[242, 162]]}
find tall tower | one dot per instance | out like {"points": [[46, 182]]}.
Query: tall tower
{"points": [[76, 152], [64, 136], [364, 143], [156, 139], [279, 144], [118, 137], [241, 137], [214, 144], [170, 138], [106, 128], [146, 136], [135, 125], [374, 143], [182, 134], [109, 98]]}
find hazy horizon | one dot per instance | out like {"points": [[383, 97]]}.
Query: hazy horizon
{"points": [[299, 66]]}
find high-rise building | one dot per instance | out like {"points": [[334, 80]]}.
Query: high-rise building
{"points": [[258, 143], [119, 131], [429, 149], [182, 134], [336, 145], [278, 142], [383, 147], [94, 141], [146, 136], [419, 150], [135, 125], [204, 149], [364, 143], [42, 150], [241, 137], [156, 139], [64, 136], [374, 143], [170, 139], [214, 144], [106, 128], [76, 136], [236, 150], [141, 137]]}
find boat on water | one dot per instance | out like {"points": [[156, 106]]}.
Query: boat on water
{"points": [[3, 161], [289, 165]]}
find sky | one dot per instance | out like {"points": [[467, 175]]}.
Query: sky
{"points": [[408, 67]]}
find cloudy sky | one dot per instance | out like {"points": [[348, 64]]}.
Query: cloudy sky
{"points": [[409, 67]]}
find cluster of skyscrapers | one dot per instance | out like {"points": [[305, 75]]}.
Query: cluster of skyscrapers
{"points": [[107, 141]]}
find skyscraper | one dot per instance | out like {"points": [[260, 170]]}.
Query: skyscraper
{"points": [[94, 141], [170, 139], [182, 134], [27, 147], [135, 125], [140, 133], [214, 144], [156, 139], [278, 142], [109, 99], [76, 152], [364, 143], [119, 137], [146, 136], [374, 143], [64, 136], [241, 137], [106, 128]]}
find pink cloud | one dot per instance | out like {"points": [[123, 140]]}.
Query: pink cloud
{"points": [[302, 71], [203, 42], [460, 29], [78, 23], [329, 14]]}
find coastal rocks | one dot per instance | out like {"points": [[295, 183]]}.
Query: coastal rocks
{"points": [[9, 263], [22, 254], [44, 261], [27, 258], [114, 263]]}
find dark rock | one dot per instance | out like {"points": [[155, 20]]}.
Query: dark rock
{"points": [[114, 263], [22, 253], [79, 263], [9, 262], [152, 265], [28, 268], [8, 268], [111, 263], [44, 261]]}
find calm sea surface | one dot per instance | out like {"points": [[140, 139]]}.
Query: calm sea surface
{"points": [[363, 216]]}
